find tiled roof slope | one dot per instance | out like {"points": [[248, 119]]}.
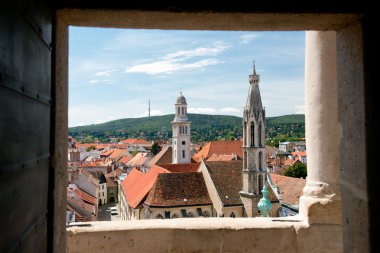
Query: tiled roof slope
{"points": [[178, 189], [290, 188], [220, 148], [137, 184], [227, 179], [163, 157], [181, 167]]}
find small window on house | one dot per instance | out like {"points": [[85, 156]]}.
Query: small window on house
{"points": [[183, 154]]}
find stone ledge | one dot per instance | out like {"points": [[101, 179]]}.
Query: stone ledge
{"points": [[205, 235]]}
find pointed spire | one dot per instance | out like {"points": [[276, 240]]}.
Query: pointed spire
{"points": [[254, 67]]}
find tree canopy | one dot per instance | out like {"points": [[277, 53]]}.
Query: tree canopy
{"points": [[297, 170]]}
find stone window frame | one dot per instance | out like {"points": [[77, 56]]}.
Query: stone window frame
{"points": [[350, 69]]}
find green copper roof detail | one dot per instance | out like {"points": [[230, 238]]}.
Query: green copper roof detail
{"points": [[264, 204]]}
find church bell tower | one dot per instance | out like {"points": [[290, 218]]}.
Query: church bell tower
{"points": [[181, 152], [254, 164]]}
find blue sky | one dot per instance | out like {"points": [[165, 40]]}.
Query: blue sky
{"points": [[114, 72]]}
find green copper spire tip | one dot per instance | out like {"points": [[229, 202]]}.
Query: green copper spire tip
{"points": [[264, 204]]}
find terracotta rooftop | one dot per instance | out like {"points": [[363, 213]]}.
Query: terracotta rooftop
{"points": [[181, 167], [118, 153], [227, 179], [163, 157], [84, 145], [290, 188], [85, 197], [217, 157], [220, 148], [125, 159], [107, 153], [135, 141], [299, 153], [137, 184], [178, 189]]}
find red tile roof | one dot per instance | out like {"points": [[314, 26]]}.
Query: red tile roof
{"points": [[137, 184], [135, 141], [290, 188], [216, 157], [178, 189], [181, 167], [220, 148], [85, 197], [227, 179], [125, 159], [163, 157], [299, 153], [117, 153], [107, 153], [84, 145]]}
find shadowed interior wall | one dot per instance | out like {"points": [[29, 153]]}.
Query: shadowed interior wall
{"points": [[25, 107]]}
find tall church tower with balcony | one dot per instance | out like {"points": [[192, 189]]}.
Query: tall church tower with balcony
{"points": [[181, 152], [254, 164]]}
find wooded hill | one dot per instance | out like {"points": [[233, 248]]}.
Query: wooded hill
{"points": [[204, 127]]}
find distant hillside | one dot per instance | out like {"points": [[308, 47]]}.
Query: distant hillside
{"points": [[204, 127]]}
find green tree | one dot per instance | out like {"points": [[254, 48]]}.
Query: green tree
{"points": [[155, 148], [297, 170], [134, 152], [88, 139], [90, 148]]}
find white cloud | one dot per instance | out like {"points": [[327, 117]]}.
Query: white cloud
{"points": [[201, 110], [230, 110], [170, 66], [246, 38], [200, 51], [105, 72], [94, 81], [174, 62]]}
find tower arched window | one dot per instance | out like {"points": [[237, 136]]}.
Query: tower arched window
{"points": [[260, 160], [245, 160], [183, 153], [183, 110], [252, 134], [179, 112], [245, 134], [260, 134], [185, 129], [260, 183]]}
